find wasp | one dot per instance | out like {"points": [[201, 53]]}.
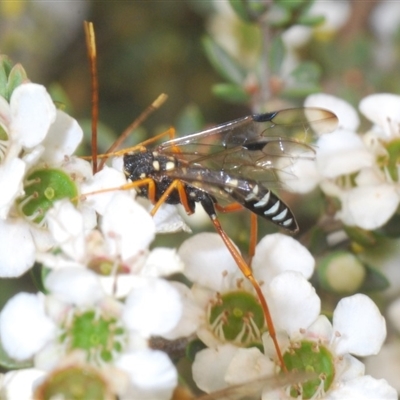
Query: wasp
{"points": [[235, 162]]}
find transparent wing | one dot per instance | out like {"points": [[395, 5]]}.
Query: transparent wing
{"points": [[250, 147]]}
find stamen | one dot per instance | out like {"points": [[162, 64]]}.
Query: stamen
{"points": [[30, 182]]}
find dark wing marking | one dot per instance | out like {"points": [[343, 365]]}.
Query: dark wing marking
{"points": [[251, 146]]}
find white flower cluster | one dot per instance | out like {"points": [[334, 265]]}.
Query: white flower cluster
{"points": [[105, 296], [359, 169]]}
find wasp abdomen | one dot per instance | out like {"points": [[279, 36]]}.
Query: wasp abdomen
{"points": [[263, 202]]}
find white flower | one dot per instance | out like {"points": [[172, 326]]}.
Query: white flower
{"points": [[358, 328], [18, 384], [229, 316], [215, 275], [357, 169], [118, 250], [30, 158], [77, 315]]}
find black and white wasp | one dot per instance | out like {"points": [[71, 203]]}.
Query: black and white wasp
{"points": [[235, 161]]}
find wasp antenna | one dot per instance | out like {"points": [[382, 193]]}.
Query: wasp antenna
{"points": [[92, 55], [157, 103]]}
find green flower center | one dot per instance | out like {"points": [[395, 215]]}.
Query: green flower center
{"points": [[101, 336], [237, 317], [74, 383], [310, 357], [43, 188]]}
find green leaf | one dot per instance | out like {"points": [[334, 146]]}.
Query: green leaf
{"points": [[248, 11], [307, 76], [60, 98], [374, 280], [16, 77], [231, 93], [226, 65], [5, 68], [391, 228], [307, 72], [311, 20], [276, 55], [190, 120], [300, 91], [360, 236], [239, 6], [193, 348]]}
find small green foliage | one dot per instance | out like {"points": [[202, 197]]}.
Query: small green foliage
{"points": [[10, 77], [375, 280], [248, 10], [276, 55], [306, 77], [393, 149], [190, 120], [226, 65], [193, 348], [231, 92]]}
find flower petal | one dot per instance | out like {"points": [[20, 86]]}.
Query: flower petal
{"points": [[75, 286], [364, 387], [208, 261], [17, 249], [248, 364], [153, 307], [25, 313], [298, 309], [277, 253], [32, 113], [210, 365], [151, 372], [361, 327], [126, 226], [342, 153], [64, 136], [162, 261], [347, 115], [11, 176], [383, 109], [65, 223], [369, 207], [19, 384]]}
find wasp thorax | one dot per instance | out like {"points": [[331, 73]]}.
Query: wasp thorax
{"points": [[147, 164]]}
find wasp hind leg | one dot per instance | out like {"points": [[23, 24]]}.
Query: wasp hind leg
{"points": [[209, 207]]}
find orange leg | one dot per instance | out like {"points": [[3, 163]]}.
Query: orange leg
{"points": [[253, 225], [127, 186], [246, 270], [253, 236], [175, 185]]}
